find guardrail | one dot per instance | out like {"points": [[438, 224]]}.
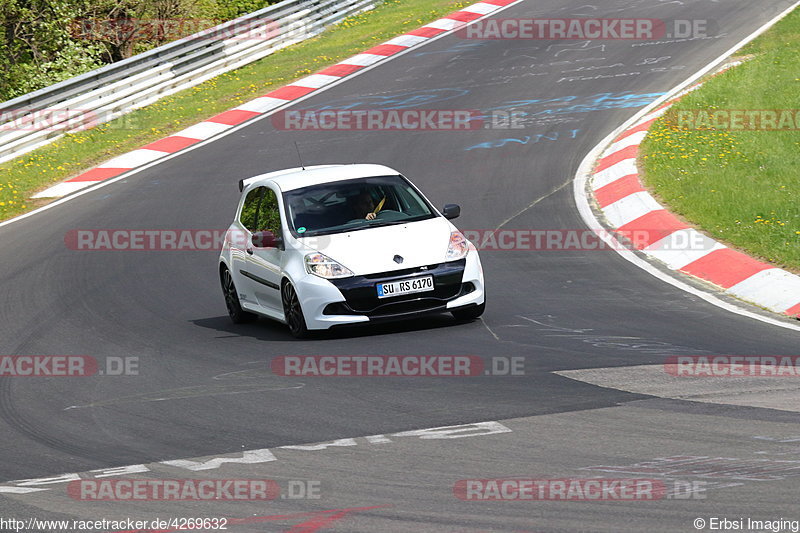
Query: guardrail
{"points": [[38, 118]]}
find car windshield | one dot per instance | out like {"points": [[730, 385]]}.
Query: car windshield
{"points": [[352, 205]]}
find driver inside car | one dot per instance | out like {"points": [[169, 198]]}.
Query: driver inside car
{"points": [[364, 203]]}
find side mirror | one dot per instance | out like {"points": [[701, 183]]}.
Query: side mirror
{"points": [[266, 239], [451, 211]]}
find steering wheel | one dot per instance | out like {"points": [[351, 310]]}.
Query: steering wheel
{"points": [[385, 212]]}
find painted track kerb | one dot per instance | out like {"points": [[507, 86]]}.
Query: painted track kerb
{"points": [[277, 100], [289, 103], [631, 210], [587, 169], [111, 91]]}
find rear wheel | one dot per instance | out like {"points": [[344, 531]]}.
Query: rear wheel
{"points": [[235, 311], [293, 312]]}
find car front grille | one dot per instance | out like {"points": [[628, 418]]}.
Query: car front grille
{"points": [[361, 294]]}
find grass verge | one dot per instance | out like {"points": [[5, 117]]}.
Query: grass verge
{"points": [[741, 186], [74, 153]]}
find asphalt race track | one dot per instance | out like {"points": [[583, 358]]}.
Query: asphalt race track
{"points": [[204, 388]]}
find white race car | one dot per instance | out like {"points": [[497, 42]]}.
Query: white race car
{"points": [[337, 245]]}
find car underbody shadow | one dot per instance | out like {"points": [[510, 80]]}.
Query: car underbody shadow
{"points": [[270, 330]]}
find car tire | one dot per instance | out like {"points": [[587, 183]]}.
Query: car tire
{"points": [[235, 311], [469, 313], [293, 311]]}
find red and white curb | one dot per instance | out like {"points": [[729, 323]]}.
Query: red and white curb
{"points": [[630, 210], [270, 101]]}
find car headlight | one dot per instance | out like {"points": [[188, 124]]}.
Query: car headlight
{"points": [[323, 266], [458, 247]]}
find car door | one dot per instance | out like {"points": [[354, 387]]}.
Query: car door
{"points": [[240, 243], [263, 266]]}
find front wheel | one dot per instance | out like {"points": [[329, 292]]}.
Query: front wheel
{"points": [[470, 313], [235, 311], [293, 312]]}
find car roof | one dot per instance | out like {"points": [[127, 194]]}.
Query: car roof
{"points": [[296, 178]]}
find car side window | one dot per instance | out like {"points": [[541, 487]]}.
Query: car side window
{"points": [[269, 216], [250, 209]]}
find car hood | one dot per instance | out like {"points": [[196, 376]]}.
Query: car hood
{"points": [[373, 250]]}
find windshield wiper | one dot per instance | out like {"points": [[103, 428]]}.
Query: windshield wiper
{"points": [[367, 225], [370, 225], [384, 223]]}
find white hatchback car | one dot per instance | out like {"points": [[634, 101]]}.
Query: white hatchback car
{"points": [[337, 245]]}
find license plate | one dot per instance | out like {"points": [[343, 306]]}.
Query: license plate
{"points": [[405, 286]]}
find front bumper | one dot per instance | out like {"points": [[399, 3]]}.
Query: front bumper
{"points": [[456, 284]]}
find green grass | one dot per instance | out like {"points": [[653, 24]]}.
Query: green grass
{"points": [[741, 187], [74, 153]]}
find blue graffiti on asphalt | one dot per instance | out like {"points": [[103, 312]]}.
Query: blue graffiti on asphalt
{"points": [[528, 139], [562, 105], [578, 104], [403, 100]]}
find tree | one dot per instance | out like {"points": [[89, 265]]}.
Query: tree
{"points": [[38, 47]]}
